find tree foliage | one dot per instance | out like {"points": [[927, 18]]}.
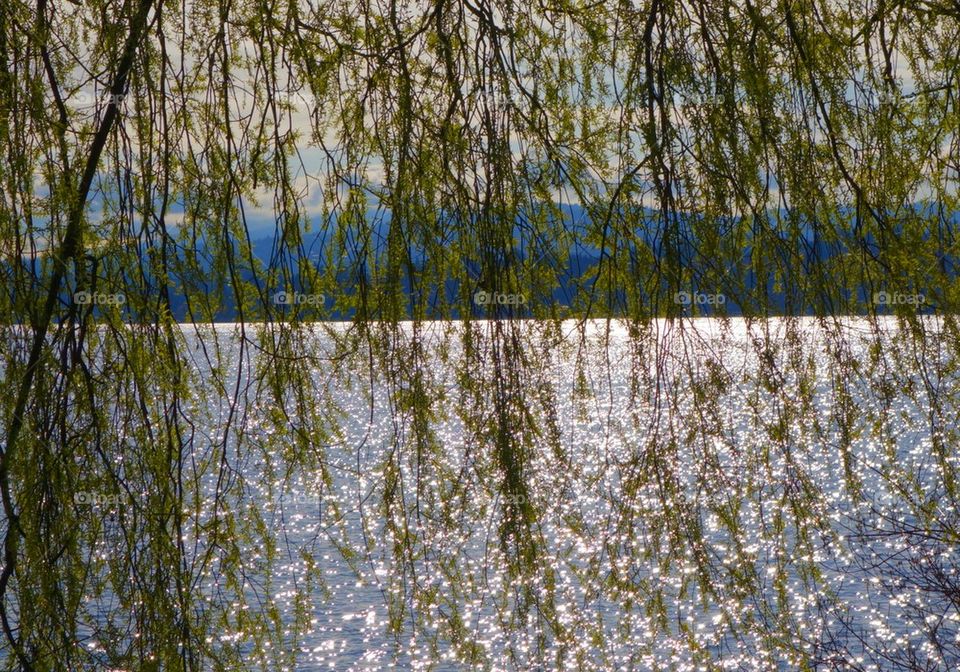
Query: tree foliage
{"points": [[796, 157]]}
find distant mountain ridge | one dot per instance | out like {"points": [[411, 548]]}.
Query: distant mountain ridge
{"points": [[574, 279]]}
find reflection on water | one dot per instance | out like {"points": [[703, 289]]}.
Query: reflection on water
{"points": [[711, 495]]}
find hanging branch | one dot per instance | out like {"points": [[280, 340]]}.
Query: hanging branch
{"points": [[69, 249]]}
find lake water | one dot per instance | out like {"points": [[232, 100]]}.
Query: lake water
{"points": [[708, 495]]}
